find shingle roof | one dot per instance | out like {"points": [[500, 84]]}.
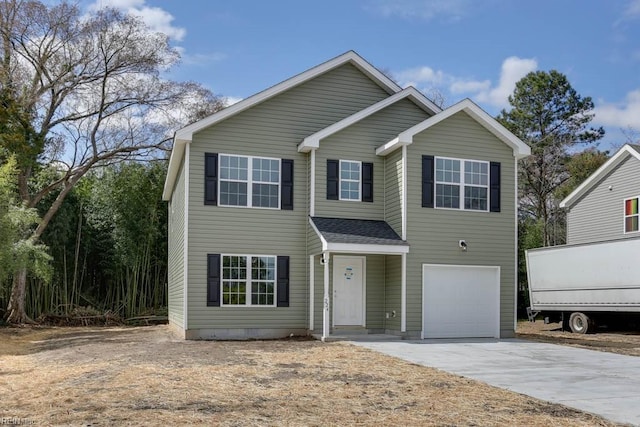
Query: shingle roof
{"points": [[357, 231]]}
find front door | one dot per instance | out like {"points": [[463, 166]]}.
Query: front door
{"points": [[348, 291]]}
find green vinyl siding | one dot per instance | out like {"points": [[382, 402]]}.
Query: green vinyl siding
{"points": [[434, 233], [359, 142], [375, 266], [599, 214], [175, 275], [393, 190], [393, 291], [273, 128]]}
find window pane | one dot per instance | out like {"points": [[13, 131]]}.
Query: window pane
{"points": [[233, 193], [266, 170], [447, 170], [265, 195], [447, 196], [475, 198], [349, 180], [631, 224], [475, 173], [631, 207]]}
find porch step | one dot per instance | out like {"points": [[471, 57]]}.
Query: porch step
{"points": [[360, 337]]}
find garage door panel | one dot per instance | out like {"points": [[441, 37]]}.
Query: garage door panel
{"points": [[460, 301]]}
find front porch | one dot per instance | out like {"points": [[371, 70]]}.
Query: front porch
{"points": [[357, 282]]}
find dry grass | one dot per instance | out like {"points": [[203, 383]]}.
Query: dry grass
{"points": [[143, 376], [621, 342]]}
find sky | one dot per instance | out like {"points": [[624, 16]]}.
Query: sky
{"points": [[475, 49]]}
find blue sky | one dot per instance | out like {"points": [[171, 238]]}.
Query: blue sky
{"points": [[459, 48]]}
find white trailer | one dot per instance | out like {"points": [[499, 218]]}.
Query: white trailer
{"points": [[586, 284]]}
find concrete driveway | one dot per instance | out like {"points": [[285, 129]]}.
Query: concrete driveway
{"points": [[601, 383]]}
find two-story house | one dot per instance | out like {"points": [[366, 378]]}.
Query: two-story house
{"points": [[338, 201]]}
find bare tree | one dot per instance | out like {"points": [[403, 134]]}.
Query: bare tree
{"points": [[83, 91]]}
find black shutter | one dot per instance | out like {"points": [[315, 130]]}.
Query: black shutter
{"points": [[213, 280], [333, 172], [283, 281], [494, 187], [367, 182], [286, 185], [210, 179], [427, 181]]}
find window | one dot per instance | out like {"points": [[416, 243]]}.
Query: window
{"points": [[461, 184], [248, 280], [350, 174], [631, 215], [249, 181]]}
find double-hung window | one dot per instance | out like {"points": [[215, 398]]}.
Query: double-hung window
{"points": [[631, 215], [249, 181], [350, 180], [248, 280], [461, 184]]}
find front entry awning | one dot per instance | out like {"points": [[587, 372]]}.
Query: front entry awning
{"points": [[358, 236]]}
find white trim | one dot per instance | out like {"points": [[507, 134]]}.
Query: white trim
{"points": [[367, 248], [312, 278], [320, 236], [312, 142], [249, 281], [185, 259], [403, 201], [249, 181], [340, 162], [520, 149], [403, 294], [460, 266], [326, 299], [364, 288], [185, 134], [358, 247], [603, 170], [312, 185]]}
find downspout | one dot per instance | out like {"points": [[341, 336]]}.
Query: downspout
{"points": [[185, 256], [403, 273], [312, 185]]}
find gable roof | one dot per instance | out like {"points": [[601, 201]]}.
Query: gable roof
{"points": [[313, 141], [520, 149], [628, 150], [354, 235], [185, 135]]}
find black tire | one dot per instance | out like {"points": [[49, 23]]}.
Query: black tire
{"points": [[580, 323]]}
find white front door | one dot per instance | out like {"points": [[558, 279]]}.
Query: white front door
{"points": [[348, 291]]}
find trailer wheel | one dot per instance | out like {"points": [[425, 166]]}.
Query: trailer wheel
{"points": [[580, 323]]}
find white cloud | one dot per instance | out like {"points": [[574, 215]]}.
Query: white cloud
{"points": [[422, 75], [633, 9], [427, 79], [624, 114], [156, 18], [471, 86], [420, 9], [201, 58], [230, 100], [513, 69]]}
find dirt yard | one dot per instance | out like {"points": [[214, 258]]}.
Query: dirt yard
{"points": [[144, 376], [621, 342]]}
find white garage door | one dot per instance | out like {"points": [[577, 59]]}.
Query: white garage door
{"points": [[461, 301]]}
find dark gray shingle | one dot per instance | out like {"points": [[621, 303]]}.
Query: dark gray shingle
{"points": [[358, 231]]}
